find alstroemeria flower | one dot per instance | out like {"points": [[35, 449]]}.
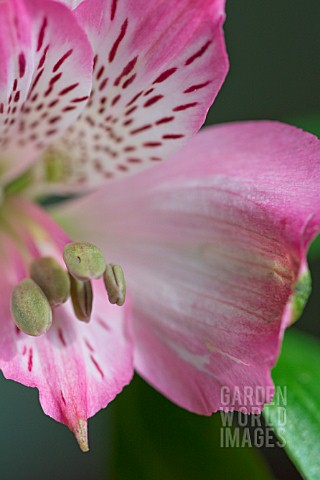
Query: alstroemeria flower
{"points": [[213, 241]]}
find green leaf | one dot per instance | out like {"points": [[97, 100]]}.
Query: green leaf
{"points": [[296, 419], [314, 251], [154, 439]]}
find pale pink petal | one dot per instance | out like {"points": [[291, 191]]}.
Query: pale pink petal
{"points": [[77, 367], [45, 79], [213, 245], [158, 68]]}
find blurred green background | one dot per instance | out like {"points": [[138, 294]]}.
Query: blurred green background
{"points": [[274, 50]]}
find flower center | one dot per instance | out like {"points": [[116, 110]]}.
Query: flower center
{"points": [[43, 268], [49, 285]]}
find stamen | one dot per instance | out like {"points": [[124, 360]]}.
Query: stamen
{"points": [[52, 279], [115, 284], [82, 298], [30, 308], [84, 260]]}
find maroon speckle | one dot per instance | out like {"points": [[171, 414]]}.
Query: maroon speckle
{"points": [[100, 73], [115, 100], [140, 129], [164, 120], [103, 324], [179, 108], [113, 9], [127, 122], [165, 75], [193, 88], [68, 109], [152, 144], [68, 89], [172, 136], [155, 159], [61, 337], [129, 81], [53, 103], [127, 69], [89, 345], [90, 121], [36, 80], [18, 331], [116, 44], [131, 110], [95, 60], [148, 91], [24, 351], [51, 132], [153, 100], [103, 84], [129, 149], [134, 160], [41, 33], [15, 84], [22, 64], [43, 58], [199, 53], [1, 107], [62, 398], [80, 99], [54, 79], [134, 99], [99, 168], [108, 175], [122, 168], [30, 360], [96, 364], [62, 59], [34, 124], [48, 91], [54, 119]]}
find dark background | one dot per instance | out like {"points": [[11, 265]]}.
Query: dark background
{"points": [[274, 50]]}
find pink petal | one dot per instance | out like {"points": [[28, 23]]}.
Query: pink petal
{"points": [[45, 78], [77, 367], [72, 4], [213, 244], [158, 69]]}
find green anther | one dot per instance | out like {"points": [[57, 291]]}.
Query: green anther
{"points": [[84, 260], [82, 298], [30, 308], [52, 279], [115, 284]]}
